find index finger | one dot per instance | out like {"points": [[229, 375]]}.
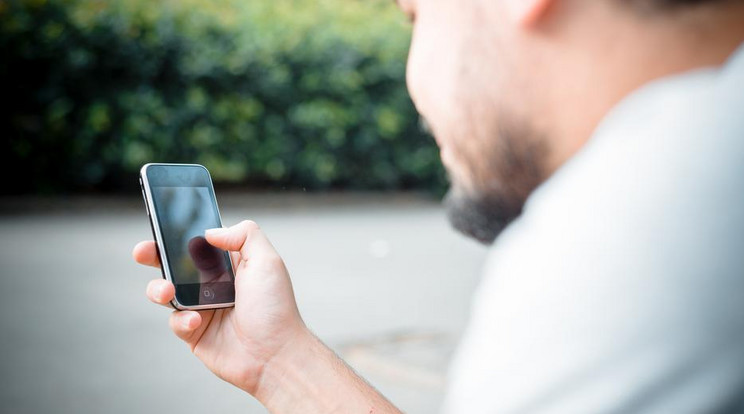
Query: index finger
{"points": [[146, 253]]}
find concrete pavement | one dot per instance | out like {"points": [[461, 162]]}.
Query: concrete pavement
{"points": [[382, 279]]}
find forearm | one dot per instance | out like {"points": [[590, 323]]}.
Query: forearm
{"points": [[307, 377]]}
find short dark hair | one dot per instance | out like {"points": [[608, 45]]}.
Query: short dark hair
{"points": [[672, 4]]}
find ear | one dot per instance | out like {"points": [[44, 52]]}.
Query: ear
{"points": [[528, 13]]}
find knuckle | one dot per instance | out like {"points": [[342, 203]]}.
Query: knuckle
{"points": [[172, 322], [273, 262], [249, 225]]}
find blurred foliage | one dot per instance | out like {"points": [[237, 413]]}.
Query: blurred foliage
{"points": [[290, 93]]}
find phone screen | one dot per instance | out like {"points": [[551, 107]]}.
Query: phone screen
{"points": [[185, 207]]}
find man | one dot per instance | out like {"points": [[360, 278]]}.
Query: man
{"points": [[616, 283]]}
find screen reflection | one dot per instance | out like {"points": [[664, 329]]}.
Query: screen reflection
{"points": [[209, 261], [184, 214]]}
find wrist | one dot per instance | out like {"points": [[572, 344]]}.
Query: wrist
{"points": [[294, 356], [305, 376]]}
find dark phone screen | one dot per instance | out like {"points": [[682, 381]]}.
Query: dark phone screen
{"points": [[185, 207]]}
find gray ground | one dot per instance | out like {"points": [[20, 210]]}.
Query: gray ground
{"points": [[381, 279]]}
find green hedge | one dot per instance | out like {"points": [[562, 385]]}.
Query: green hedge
{"points": [[279, 93]]}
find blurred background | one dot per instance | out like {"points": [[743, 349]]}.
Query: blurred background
{"points": [[299, 110]]}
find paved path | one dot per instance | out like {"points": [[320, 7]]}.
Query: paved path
{"points": [[381, 279]]}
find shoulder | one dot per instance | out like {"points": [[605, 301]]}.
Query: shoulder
{"points": [[626, 265]]}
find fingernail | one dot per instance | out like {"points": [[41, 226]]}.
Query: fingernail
{"points": [[215, 232], [186, 322]]}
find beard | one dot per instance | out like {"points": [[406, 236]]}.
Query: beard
{"points": [[502, 176], [497, 151], [477, 216]]}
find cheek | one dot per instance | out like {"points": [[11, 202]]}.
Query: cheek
{"points": [[416, 76], [438, 84], [431, 73]]}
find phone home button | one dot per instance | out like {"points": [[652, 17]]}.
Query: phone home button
{"points": [[208, 294]]}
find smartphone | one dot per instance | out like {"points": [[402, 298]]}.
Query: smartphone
{"points": [[181, 205]]}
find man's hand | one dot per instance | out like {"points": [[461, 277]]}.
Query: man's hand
{"points": [[237, 343], [262, 345]]}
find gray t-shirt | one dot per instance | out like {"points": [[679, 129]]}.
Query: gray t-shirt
{"points": [[621, 286]]}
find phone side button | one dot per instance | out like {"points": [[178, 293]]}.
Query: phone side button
{"points": [[147, 210]]}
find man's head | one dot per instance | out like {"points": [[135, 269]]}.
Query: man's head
{"points": [[513, 88]]}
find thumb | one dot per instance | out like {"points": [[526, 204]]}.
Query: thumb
{"points": [[254, 248], [239, 237], [223, 238], [231, 238]]}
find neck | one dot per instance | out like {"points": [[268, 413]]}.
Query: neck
{"points": [[616, 56]]}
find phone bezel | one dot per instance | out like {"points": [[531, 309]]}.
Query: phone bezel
{"points": [[157, 233]]}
